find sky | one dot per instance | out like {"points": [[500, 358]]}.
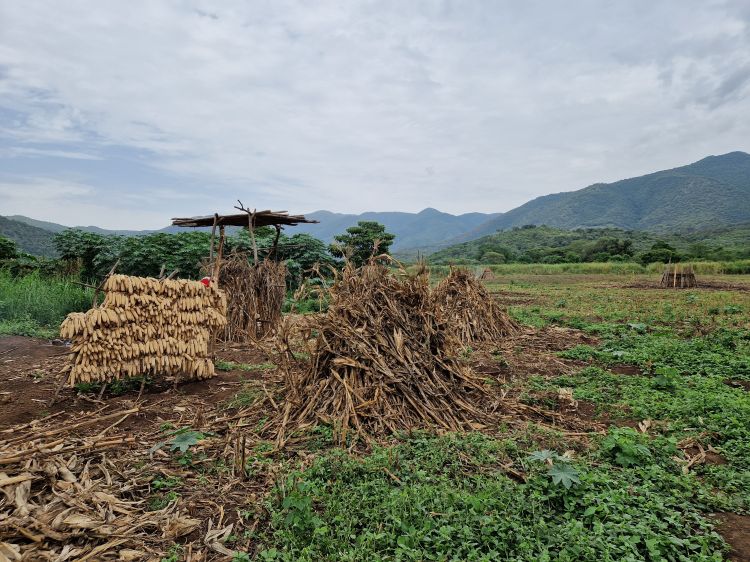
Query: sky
{"points": [[125, 114]]}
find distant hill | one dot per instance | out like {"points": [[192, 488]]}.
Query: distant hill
{"points": [[713, 191], [54, 227], [428, 229], [28, 238]]}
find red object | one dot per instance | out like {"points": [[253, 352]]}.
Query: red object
{"points": [[206, 281]]}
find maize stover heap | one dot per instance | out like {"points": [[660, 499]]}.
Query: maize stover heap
{"points": [[145, 326]]}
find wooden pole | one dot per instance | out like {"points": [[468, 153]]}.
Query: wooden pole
{"points": [[213, 236], [219, 253], [101, 285], [275, 246], [251, 229]]}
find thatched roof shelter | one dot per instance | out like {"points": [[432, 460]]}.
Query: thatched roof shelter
{"points": [[260, 218], [256, 290]]}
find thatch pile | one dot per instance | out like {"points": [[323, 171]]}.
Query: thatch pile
{"points": [[470, 310], [383, 359], [145, 326], [487, 275], [255, 296]]}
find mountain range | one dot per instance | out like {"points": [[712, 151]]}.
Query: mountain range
{"points": [[714, 191]]}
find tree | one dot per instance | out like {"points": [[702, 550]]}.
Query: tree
{"points": [[660, 252], [74, 245], [361, 242], [302, 252], [8, 249]]}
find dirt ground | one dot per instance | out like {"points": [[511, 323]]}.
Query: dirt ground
{"points": [[736, 531], [223, 498]]}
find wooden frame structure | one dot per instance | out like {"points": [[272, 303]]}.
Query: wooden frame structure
{"points": [[677, 276], [250, 219], [255, 287]]}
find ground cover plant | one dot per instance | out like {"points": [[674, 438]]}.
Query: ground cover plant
{"points": [[632, 444]]}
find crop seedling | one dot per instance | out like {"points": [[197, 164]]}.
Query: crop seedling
{"points": [[560, 470]]}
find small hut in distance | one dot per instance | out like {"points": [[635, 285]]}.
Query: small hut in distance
{"points": [[678, 276]]}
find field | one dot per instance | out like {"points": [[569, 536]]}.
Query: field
{"points": [[629, 439]]}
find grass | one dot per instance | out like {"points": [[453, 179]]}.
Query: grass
{"points": [[34, 305], [602, 268], [247, 395]]}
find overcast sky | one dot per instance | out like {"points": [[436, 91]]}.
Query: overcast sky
{"points": [[123, 114]]}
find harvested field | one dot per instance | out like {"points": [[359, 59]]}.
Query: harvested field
{"points": [[662, 371]]}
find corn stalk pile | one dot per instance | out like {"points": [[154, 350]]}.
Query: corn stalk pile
{"points": [[383, 359], [255, 296], [145, 326], [470, 310], [67, 496]]}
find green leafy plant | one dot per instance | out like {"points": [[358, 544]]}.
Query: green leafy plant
{"points": [[622, 445], [666, 379], [560, 470]]}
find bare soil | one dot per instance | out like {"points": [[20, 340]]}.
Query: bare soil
{"points": [[736, 531]]}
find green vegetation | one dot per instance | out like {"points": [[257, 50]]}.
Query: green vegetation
{"points": [[34, 305], [449, 498], [544, 244], [146, 255], [232, 366], [361, 242], [8, 249]]}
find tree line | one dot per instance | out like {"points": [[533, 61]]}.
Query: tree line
{"points": [[91, 255]]}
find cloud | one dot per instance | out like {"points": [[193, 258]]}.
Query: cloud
{"points": [[368, 106], [29, 152]]}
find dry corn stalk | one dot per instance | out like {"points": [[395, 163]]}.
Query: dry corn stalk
{"points": [[255, 296], [145, 326], [470, 310], [383, 359]]}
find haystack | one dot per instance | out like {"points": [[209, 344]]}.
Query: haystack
{"points": [[470, 310], [145, 326], [487, 275], [255, 296], [677, 276], [382, 360]]}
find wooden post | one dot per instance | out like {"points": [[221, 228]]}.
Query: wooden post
{"points": [[251, 229], [101, 285], [219, 253], [213, 235], [275, 246]]}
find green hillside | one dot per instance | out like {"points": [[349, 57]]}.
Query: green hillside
{"points": [[712, 191], [547, 244], [30, 239]]}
